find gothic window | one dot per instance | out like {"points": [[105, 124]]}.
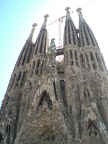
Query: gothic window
{"points": [[62, 86], [55, 91], [0, 137], [24, 76], [8, 133], [94, 66], [18, 78], [87, 60], [99, 61], [92, 129], [8, 129], [37, 67], [71, 54], [45, 98], [91, 55], [82, 61], [41, 45], [97, 57], [33, 65], [66, 55], [42, 65], [76, 59], [93, 62], [32, 68]]}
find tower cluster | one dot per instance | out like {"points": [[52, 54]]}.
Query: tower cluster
{"points": [[57, 102]]}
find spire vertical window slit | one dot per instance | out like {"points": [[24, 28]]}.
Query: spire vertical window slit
{"points": [[69, 37], [82, 61], [62, 86], [37, 67], [88, 64], [86, 35], [41, 45], [76, 58]]}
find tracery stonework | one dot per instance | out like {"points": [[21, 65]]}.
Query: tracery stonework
{"points": [[51, 102]]}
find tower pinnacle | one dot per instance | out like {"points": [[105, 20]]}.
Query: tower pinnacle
{"points": [[45, 20], [79, 10], [67, 10]]}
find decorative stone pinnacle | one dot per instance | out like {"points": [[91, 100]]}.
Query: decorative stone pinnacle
{"points": [[33, 28], [67, 9], [45, 18], [34, 25], [79, 10]]}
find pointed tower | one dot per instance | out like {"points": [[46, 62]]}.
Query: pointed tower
{"points": [[41, 42], [23, 59], [88, 40], [13, 99], [39, 50], [72, 69]]}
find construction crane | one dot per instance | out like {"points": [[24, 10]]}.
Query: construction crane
{"points": [[60, 21]]}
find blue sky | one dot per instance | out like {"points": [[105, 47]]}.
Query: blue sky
{"points": [[17, 17]]}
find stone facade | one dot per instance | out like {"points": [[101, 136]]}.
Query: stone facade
{"points": [[50, 102]]}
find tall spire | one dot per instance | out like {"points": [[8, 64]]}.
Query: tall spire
{"points": [[41, 42], [26, 52], [70, 34], [86, 35]]}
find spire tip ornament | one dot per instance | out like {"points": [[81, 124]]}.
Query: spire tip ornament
{"points": [[45, 20], [45, 17], [32, 30], [67, 9], [79, 10], [34, 25]]}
